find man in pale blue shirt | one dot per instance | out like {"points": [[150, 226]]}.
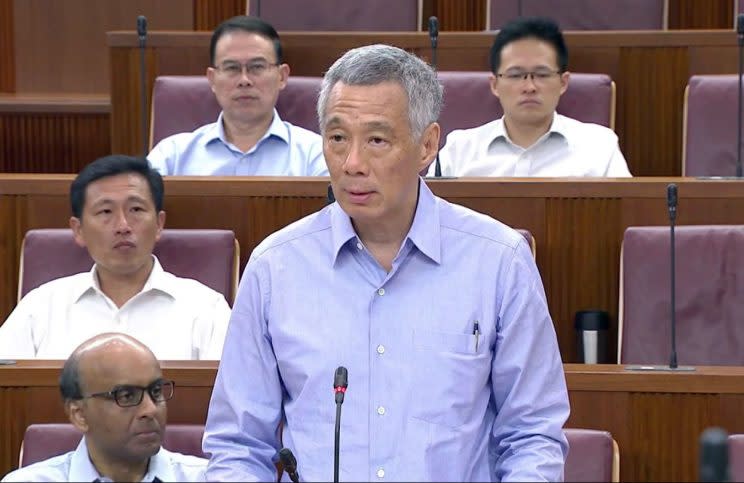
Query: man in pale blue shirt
{"points": [[437, 311], [249, 138], [114, 393]]}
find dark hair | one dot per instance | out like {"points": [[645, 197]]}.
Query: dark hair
{"points": [[69, 379], [113, 165], [248, 24], [539, 28]]}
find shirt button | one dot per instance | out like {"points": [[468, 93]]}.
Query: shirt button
{"points": [[381, 410], [360, 246], [381, 291], [381, 473], [380, 349]]}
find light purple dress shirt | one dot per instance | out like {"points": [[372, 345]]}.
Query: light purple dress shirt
{"points": [[427, 399]]}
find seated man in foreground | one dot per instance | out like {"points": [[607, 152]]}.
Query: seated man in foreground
{"points": [[529, 74], [115, 394], [249, 138], [117, 215]]}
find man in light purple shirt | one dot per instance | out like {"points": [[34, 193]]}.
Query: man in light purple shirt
{"points": [[437, 311]]}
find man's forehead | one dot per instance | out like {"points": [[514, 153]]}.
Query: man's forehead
{"points": [[529, 50], [128, 185]]}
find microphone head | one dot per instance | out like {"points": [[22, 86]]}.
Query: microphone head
{"points": [[740, 24], [341, 378], [714, 457], [672, 195], [141, 25], [433, 26], [288, 459]]}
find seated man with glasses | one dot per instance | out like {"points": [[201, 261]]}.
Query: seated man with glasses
{"points": [[249, 138], [115, 394], [529, 63]]}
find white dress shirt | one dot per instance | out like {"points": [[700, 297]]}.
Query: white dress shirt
{"points": [[569, 148], [76, 466], [177, 318]]}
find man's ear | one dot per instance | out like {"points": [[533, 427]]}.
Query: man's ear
{"points": [[161, 224], [76, 226], [493, 81], [210, 77], [429, 145], [76, 414]]}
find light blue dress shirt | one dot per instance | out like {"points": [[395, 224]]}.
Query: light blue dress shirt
{"points": [[427, 399], [285, 150], [76, 466]]}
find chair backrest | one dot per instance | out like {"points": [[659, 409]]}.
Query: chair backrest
{"points": [[709, 126], [736, 457], [593, 456], [43, 441], [709, 295], [209, 256], [585, 14], [182, 103], [372, 15], [468, 101]]}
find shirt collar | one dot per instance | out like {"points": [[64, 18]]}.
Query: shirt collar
{"points": [[277, 128], [557, 126], [424, 232], [159, 279], [82, 469]]}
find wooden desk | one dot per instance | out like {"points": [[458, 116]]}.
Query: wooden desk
{"points": [[655, 418], [650, 69]]}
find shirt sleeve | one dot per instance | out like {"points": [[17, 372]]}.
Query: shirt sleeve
{"points": [[617, 167], [245, 409], [528, 382], [162, 157], [316, 160], [17, 333], [212, 327]]}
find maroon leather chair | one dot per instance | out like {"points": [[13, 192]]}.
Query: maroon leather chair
{"points": [[43, 441], [585, 14], [709, 126], [709, 293], [182, 103], [530, 239], [209, 256], [592, 456], [468, 101], [371, 15], [736, 457]]}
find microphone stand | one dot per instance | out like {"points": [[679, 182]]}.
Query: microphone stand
{"points": [[142, 32], [340, 383], [740, 41]]}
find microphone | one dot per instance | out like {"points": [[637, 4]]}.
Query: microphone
{"points": [[740, 41], [330, 197], [433, 37], [289, 463], [714, 464], [340, 382], [142, 33]]}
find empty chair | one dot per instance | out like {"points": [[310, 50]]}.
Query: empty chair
{"points": [[209, 256], [182, 103], [709, 126], [585, 14], [709, 295], [43, 441], [468, 101], [736, 457], [593, 455], [375, 15]]}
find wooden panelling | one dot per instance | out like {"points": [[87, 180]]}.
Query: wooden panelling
{"points": [[577, 224], [209, 13], [53, 142], [694, 14], [455, 15], [7, 47]]}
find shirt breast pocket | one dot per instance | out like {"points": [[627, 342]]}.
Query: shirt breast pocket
{"points": [[451, 377]]}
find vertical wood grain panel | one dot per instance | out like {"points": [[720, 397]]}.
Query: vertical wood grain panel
{"points": [[209, 13], [7, 47], [454, 15], [52, 143], [694, 14]]}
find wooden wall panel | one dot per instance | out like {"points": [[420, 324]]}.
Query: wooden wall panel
{"points": [[694, 14], [455, 15], [7, 47], [51, 143], [209, 13]]}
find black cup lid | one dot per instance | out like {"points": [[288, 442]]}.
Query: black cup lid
{"points": [[592, 320]]}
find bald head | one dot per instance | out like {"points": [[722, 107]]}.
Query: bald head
{"points": [[101, 353]]}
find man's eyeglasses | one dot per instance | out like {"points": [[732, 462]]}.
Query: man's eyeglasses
{"points": [[127, 396], [235, 69], [540, 75]]}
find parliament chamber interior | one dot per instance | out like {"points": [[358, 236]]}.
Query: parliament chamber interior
{"points": [[662, 74]]}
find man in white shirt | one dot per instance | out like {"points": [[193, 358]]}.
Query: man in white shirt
{"points": [[117, 215], [529, 62], [246, 73], [115, 394]]}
